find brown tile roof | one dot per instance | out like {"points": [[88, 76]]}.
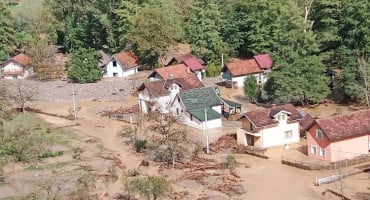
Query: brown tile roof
{"points": [[263, 60], [22, 59], [306, 122], [347, 125], [265, 117], [175, 71], [105, 58], [160, 88], [182, 58], [242, 67], [127, 58]]}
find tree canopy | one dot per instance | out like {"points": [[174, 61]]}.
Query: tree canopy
{"points": [[306, 38]]}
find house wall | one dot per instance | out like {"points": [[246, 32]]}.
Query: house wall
{"points": [[147, 103], [186, 119], [261, 79], [110, 70], [349, 148], [317, 142], [15, 68], [275, 135]]}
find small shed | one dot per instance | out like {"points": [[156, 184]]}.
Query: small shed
{"points": [[231, 107]]}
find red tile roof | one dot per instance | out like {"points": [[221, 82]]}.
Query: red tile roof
{"points": [[22, 59], [347, 125], [264, 61], [265, 117], [193, 64], [183, 57], [242, 67], [175, 71], [127, 58], [306, 122], [160, 88]]}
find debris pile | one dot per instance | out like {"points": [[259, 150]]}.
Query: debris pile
{"points": [[224, 142], [121, 111]]}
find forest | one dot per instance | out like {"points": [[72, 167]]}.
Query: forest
{"points": [[319, 47]]}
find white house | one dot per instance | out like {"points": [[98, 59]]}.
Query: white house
{"points": [[238, 69], [275, 126], [158, 95], [199, 108], [122, 64], [18, 67]]}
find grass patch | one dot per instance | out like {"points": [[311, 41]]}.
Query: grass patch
{"points": [[57, 165], [34, 168]]}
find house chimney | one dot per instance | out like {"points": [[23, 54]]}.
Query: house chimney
{"points": [[170, 76]]}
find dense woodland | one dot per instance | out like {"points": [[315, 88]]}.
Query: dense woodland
{"points": [[318, 46]]}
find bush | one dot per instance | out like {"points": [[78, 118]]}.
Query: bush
{"points": [[50, 154], [140, 145], [230, 162]]}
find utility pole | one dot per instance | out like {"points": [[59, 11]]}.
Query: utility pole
{"points": [[206, 130], [74, 102]]}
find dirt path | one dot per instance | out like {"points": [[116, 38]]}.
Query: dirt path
{"points": [[102, 128]]}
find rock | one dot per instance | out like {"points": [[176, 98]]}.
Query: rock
{"points": [[144, 163]]}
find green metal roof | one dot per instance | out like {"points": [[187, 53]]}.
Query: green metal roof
{"points": [[226, 76], [199, 113], [200, 98], [231, 103]]}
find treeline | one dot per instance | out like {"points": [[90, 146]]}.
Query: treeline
{"points": [[317, 45]]}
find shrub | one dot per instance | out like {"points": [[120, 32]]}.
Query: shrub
{"points": [[230, 162], [140, 145]]}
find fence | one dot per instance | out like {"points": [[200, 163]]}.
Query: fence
{"points": [[326, 166]]}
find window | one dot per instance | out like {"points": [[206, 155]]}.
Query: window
{"points": [[281, 117], [177, 111], [288, 134], [191, 117], [115, 74], [178, 99], [323, 152], [318, 134], [114, 63], [313, 150]]}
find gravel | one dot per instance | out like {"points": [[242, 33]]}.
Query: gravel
{"points": [[107, 89]]}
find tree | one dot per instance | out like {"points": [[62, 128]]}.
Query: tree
{"points": [[299, 72], [171, 137], [151, 186], [83, 66], [21, 92], [251, 88], [153, 35], [354, 53], [234, 26], [7, 32], [203, 31]]}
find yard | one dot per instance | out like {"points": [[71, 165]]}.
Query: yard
{"points": [[107, 158]]}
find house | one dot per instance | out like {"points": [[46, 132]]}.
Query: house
{"points": [[269, 127], [340, 137], [105, 58], [158, 95], [173, 71], [199, 108], [195, 64], [18, 67], [122, 64], [238, 69]]}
